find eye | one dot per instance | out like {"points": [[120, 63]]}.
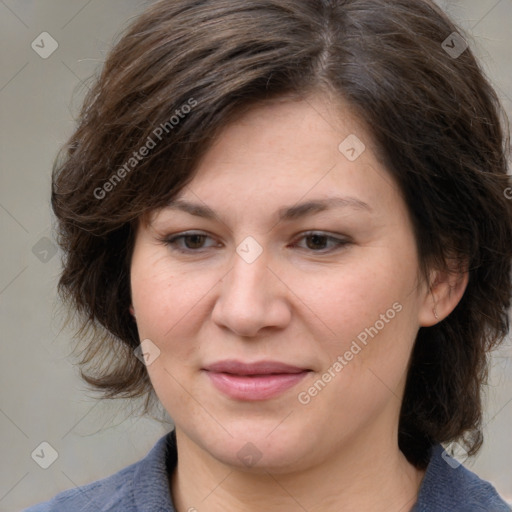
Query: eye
{"points": [[317, 241], [188, 242]]}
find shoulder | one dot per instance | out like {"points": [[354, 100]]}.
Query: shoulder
{"points": [[144, 481], [96, 496], [447, 485]]}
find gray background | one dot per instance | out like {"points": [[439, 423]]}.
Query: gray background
{"points": [[41, 395]]}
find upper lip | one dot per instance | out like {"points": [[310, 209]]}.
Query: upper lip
{"points": [[258, 368]]}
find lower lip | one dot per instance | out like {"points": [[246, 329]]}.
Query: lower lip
{"points": [[259, 387]]}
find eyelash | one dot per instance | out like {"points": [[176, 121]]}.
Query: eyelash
{"points": [[172, 241]]}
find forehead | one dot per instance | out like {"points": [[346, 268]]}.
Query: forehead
{"points": [[289, 151]]}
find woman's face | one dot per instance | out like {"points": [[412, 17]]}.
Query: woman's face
{"points": [[281, 296]]}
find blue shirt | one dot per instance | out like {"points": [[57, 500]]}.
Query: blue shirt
{"points": [[143, 487]]}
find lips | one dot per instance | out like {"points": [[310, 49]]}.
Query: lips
{"points": [[260, 368], [254, 381]]}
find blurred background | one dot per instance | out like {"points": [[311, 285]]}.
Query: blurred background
{"points": [[47, 51]]}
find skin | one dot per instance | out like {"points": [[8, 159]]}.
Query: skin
{"points": [[302, 301]]}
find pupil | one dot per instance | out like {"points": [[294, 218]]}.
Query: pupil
{"points": [[317, 240], [196, 241]]}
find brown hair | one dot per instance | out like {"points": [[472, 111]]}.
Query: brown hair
{"points": [[186, 68]]}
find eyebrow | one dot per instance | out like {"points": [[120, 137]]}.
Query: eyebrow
{"points": [[284, 214]]}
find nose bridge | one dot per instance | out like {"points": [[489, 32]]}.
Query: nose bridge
{"points": [[250, 297], [248, 280]]}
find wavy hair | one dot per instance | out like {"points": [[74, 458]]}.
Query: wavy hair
{"points": [[184, 69]]}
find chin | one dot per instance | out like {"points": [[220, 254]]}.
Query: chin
{"points": [[261, 459], [260, 447]]}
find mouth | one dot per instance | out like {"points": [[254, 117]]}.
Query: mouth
{"points": [[254, 381]]}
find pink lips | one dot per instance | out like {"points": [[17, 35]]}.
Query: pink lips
{"points": [[254, 381]]}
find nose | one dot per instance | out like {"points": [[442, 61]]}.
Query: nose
{"points": [[251, 298]]}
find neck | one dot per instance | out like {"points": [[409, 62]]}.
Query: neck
{"points": [[361, 476]]}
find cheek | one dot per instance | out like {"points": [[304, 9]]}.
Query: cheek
{"points": [[370, 310], [353, 297], [370, 315], [163, 298], [171, 306], [167, 305]]}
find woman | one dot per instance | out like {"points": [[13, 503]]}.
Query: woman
{"points": [[287, 221]]}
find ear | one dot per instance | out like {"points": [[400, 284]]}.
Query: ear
{"points": [[444, 292], [132, 311]]}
